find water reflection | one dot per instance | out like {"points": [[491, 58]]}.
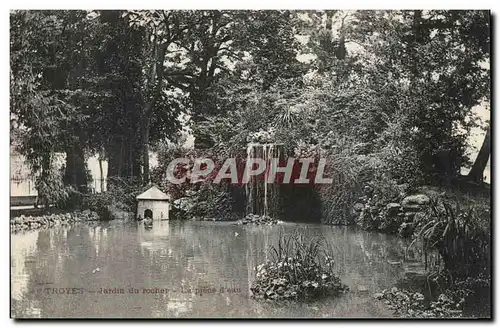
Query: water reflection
{"points": [[177, 269]]}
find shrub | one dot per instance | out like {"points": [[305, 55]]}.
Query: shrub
{"points": [[202, 201], [376, 215], [51, 188], [299, 268], [117, 202]]}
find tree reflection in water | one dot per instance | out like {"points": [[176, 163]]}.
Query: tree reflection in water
{"points": [[184, 257]]}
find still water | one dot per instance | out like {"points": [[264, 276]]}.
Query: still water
{"points": [[189, 269]]}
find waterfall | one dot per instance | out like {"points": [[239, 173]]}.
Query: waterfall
{"points": [[249, 185], [266, 158], [259, 194]]}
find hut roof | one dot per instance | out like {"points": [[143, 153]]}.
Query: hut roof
{"points": [[153, 193]]}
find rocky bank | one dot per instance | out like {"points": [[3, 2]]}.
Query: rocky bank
{"points": [[26, 223]]}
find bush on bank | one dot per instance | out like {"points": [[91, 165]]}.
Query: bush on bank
{"points": [[207, 202], [118, 202], [458, 228], [456, 300]]}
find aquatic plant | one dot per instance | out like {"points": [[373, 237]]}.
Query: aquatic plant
{"points": [[299, 268], [406, 303], [258, 220], [460, 235]]}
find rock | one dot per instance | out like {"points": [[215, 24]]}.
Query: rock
{"points": [[393, 205], [23, 223], [419, 199], [431, 191], [258, 220], [378, 296]]}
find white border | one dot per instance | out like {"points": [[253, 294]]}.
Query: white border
{"points": [[192, 4]]}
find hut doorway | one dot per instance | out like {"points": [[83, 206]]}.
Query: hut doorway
{"points": [[148, 214]]}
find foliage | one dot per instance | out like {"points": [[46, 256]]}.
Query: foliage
{"points": [[51, 188], [299, 268], [436, 60], [453, 299], [82, 72], [116, 203], [207, 202], [197, 200], [43, 109], [386, 96], [460, 235], [414, 305]]}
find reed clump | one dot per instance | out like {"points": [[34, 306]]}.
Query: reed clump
{"points": [[299, 268]]}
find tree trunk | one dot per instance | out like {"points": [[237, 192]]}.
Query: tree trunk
{"points": [[202, 140], [76, 169], [120, 160], [101, 175], [145, 149], [70, 173], [131, 161], [113, 156], [477, 170], [417, 16], [123, 160], [46, 163], [155, 81]]}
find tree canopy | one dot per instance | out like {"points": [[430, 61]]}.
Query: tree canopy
{"points": [[397, 85]]}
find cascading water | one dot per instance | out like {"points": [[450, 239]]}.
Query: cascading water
{"points": [[259, 193], [266, 159]]}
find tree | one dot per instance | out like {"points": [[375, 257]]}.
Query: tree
{"points": [[227, 45], [161, 30], [42, 108], [434, 62], [477, 170]]}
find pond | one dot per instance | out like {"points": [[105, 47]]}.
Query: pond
{"points": [[190, 269]]}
